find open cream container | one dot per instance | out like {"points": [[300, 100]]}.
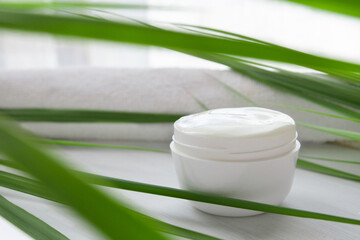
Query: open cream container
{"points": [[247, 153]]}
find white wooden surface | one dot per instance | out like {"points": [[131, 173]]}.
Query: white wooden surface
{"points": [[311, 191]]}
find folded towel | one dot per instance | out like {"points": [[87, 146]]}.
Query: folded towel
{"points": [[144, 90]]}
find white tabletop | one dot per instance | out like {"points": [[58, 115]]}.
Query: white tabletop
{"points": [[311, 191]]}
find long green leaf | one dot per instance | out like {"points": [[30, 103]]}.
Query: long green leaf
{"points": [[139, 34], [280, 81], [112, 218], [285, 106], [348, 7], [185, 233], [329, 159], [68, 4], [306, 83], [71, 115], [298, 85], [233, 90], [94, 145], [335, 131], [341, 75], [31, 5], [32, 187], [326, 170], [303, 85], [78, 5], [318, 112], [321, 91], [61, 115], [23, 184], [197, 100], [27, 222], [207, 198], [201, 197]]}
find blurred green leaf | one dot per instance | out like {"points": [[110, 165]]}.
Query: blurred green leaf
{"points": [[140, 34], [27, 222], [331, 94], [189, 195], [322, 90], [94, 145], [106, 214], [337, 96], [348, 7], [331, 97], [341, 75], [72, 115], [33, 187], [31, 5]]}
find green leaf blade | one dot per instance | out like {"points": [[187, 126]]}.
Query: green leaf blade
{"points": [[208, 198], [326, 170], [32, 187], [95, 145], [27, 222], [347, 7], [339, 132], [81, 115], [139, 34], [201, 197], [329, 159], [108, 215], [34, 5]]}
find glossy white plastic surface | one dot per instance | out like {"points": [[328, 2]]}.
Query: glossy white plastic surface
{"points": [[232, 155], [247, 153], [267, 181]]}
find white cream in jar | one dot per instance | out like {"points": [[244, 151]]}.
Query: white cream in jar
{"points": [[247, 153]]}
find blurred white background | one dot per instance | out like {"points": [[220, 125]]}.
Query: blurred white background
{"points": [[281, 22]]}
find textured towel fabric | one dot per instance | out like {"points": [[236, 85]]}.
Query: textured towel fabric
{"points": [[144, 90]]}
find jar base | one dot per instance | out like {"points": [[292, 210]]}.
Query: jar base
{"points": [[223, 211]]}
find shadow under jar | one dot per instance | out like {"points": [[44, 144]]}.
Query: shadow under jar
{"points": [[246, 153]]}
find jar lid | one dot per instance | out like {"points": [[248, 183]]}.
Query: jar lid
{"points": [[240, 130]]}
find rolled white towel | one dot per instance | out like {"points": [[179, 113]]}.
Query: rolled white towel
{"points": [[144, 90]]}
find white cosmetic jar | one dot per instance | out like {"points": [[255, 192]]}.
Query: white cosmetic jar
{"points": [[247, 153]]}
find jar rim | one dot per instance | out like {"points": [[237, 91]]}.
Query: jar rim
{"points": [[261, 156]]}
